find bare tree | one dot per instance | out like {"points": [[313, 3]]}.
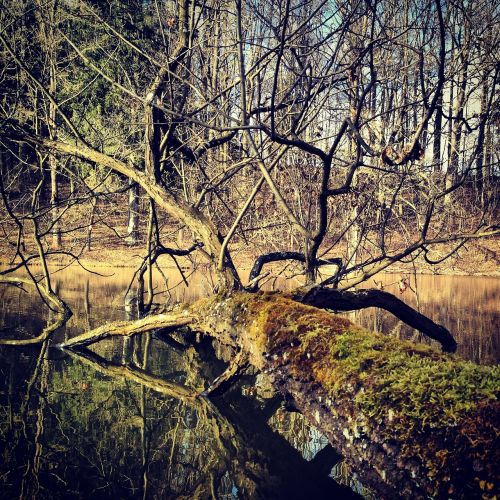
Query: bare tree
{"points": [[325, 133]]}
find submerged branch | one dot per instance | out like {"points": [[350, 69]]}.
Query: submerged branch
{"points": [[62, 311], [236, 367], [46, 333]]}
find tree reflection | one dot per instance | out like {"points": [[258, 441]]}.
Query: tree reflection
{"points": [[110, 423]]}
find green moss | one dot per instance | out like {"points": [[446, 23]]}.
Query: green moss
{"points": [[428, 390], [426, 387], [416, 381]]}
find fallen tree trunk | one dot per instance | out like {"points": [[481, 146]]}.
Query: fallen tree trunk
{"points": [[411, 421]]}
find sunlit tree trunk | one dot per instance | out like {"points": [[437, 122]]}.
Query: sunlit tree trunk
{"points": [[481, 168], [132, 237], [457, 105], [48, 25], [361, 389]]}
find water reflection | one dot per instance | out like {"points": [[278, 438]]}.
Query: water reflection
{"points": [[91, 425], [121, 421]]}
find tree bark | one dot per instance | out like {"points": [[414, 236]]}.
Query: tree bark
{"points": [[127, 328]]}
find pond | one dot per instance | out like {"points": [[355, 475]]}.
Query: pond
{"points": [[118, 422]]}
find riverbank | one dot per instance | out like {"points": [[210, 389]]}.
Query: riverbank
{"points": [[476, 258], [109, 249]]}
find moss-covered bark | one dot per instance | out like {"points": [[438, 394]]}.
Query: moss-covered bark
{"points": [[412, 421]]}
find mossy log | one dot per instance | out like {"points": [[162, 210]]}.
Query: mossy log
{"points": [[412, 421]]}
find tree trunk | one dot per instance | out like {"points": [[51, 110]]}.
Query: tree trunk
{"points": [[436, 145], [480, 160], [456, 125], [90, 227], [51, 48], [54, 200], [411, 421], [133, 214]]}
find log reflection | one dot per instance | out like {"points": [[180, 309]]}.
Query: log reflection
{"points": [[87, 425]]}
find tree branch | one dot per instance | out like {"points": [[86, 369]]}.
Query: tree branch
{"points": [[129, 328], [340, 300], [278, 256]]}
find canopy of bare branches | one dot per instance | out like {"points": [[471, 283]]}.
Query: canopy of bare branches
{"points": [[364, 132]]}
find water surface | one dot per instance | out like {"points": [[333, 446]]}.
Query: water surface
{"points": [[120, 422]]}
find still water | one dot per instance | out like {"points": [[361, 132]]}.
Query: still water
{"points": [[119, 422]]}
